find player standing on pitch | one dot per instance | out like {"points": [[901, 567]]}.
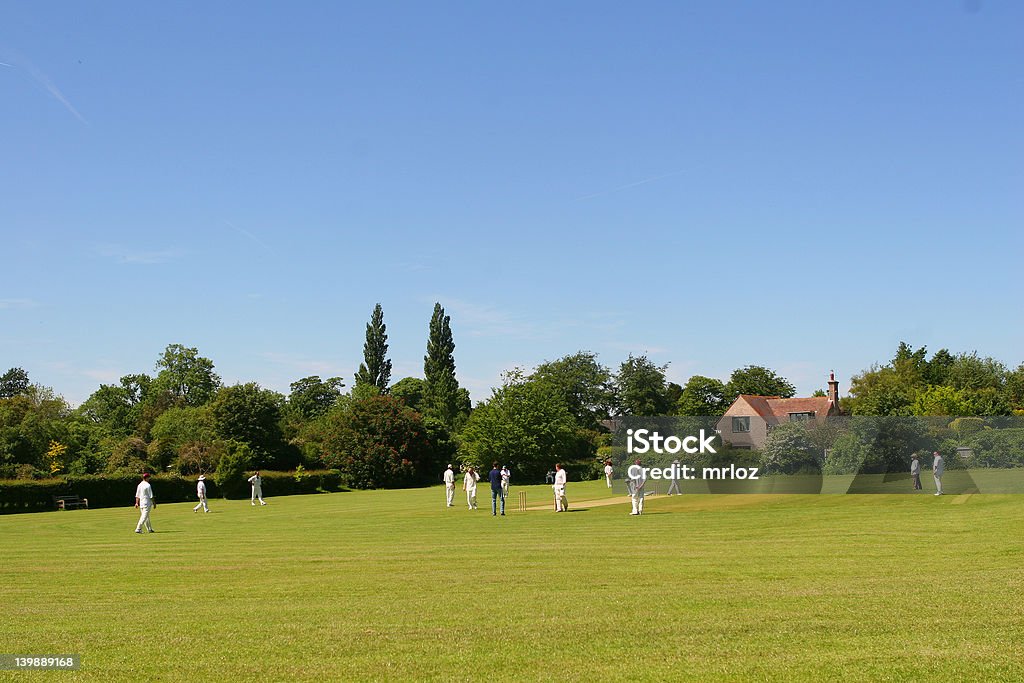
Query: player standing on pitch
{"points": [[561, 502], [145, 502]]}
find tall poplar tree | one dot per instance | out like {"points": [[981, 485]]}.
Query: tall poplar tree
{"points": [[375, 368], [442, 397]]}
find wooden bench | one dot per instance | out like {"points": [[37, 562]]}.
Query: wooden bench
{"points": [[70, 502]]}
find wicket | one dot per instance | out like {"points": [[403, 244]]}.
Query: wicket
{"points": [[522, 501]]}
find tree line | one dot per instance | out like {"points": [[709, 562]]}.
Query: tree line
{"points": [[383, 434]]}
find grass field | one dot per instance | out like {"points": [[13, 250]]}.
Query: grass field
{"points": [[391, 585]]}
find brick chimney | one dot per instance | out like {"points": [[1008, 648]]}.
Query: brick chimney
{"points": [[833, 389]]}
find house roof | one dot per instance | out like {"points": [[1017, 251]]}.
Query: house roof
{"points": [[773, 408]]}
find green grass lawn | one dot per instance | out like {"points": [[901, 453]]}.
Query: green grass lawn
{"points": [[391, 585]]}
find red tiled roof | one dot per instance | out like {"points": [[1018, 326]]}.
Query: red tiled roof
{"points": [[775, 409], [782, 407], [758, 403]]}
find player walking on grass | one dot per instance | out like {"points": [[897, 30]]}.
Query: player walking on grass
{"points": [[497, 490], [915, 471], [637, 482], [608, 472], [469, 486], [201, 492], [257, 488], [674, 486], [938, 467], [449, 485], [561, 502], [506, 479], [144, 501]]}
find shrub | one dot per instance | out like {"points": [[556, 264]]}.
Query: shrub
{"points": [[232, 468], [106, 490], [788, 450], [966, 426], [377, 442], [998, 448]]}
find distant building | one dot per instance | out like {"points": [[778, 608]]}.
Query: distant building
{"points": [[749, 419]]}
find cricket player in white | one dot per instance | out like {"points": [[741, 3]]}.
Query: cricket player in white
{"points": [[938, 467], [506, 477], [608, 472], [144, 501], [201, 492], [449, 485], [257, 488], [674, 486], [561, 503], [469, 486], [637, 482]]}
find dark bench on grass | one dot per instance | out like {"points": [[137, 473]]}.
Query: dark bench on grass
{"points": [[70, 502]]}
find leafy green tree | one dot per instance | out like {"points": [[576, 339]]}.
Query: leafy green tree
{"points": [[891, 389], [942, 400], [947, 400], [249, 414], [966, 384], [86, 454], [757, 380], [914, 360], [702, 396], [788, 450], [233, 468], [116, 409], [988, 401], [848, 454], [201, 457], [311, 397], [442, 398], [129, 455], [185, 376], [882, 391], [584, 385], [376, 442], [14, 382], [16, 446], [29, 422], [375, 369], [937, 371], [1014, 390], [673, 392], [875, 445], [970, 371], [411, 390], [363, 391], [177, 427], [524, 424], [641, 387]]}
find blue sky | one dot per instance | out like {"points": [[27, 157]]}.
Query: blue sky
{"points": [[795, 184]]}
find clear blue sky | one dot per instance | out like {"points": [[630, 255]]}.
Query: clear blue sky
{"points": [[795, 184]]}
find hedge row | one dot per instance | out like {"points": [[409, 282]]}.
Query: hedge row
{"points": [[102, 491]]}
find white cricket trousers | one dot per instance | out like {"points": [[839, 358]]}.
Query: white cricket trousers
{"points": [[257, 492], [450, 493], [144, 518], [638, 503], [561, 502], [202, 504], [471, 498]]}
